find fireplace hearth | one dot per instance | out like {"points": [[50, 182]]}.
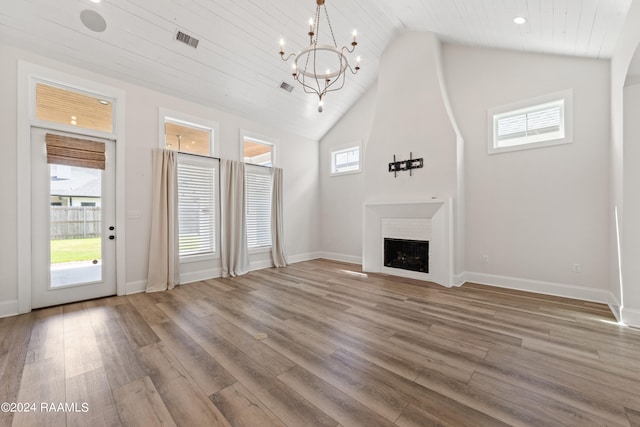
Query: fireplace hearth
{"points": [[406, 254]]}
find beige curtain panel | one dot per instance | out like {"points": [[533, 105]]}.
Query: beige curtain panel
{"points": [[234, 253], [163, 245], [64, 150], [278, 255]]}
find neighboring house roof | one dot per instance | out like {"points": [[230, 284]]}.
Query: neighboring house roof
{"points": [[71, 181]]}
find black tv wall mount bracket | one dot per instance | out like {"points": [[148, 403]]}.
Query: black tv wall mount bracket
{"points": [[405, 165]]}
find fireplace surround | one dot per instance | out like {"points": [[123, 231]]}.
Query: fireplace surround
{"points": [[429, 220]]}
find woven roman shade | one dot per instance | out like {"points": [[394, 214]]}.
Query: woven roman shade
{"points": [[64, 150]]}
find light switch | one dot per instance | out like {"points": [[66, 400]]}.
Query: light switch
{"points": [[134, 214]]}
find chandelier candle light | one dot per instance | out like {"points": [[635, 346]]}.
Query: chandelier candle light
{"points": [[310, 61]]}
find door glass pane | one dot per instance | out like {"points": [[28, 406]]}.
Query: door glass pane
{"points": [[75, 225]]}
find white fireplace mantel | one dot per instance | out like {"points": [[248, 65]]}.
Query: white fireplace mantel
{"points": [[439, 211]]}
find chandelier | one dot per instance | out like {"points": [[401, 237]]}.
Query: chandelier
{"points": [[321, 68]]}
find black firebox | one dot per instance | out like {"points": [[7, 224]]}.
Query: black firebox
{"points": [[407, 254]]}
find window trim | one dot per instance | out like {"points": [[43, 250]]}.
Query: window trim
{"points": [[166, 115], [532, 104], [215, 163], [260, 139], [333, 151]]}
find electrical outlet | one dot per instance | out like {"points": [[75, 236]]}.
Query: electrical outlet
{"points": [[576, 268], [485, 259]]}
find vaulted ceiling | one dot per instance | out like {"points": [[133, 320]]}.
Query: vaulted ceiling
{"points": [[236, 66]]}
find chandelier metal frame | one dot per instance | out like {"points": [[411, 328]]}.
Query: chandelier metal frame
{"points": [[305, 63]]}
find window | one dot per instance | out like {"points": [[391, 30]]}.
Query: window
{"points": [[534, 123], [194, 139], [258, 206], [187, 134], [256, 151], [197, 201], [187, 138], [345, 160], [72, 107]]}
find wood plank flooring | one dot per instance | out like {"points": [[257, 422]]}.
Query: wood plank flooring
{"points": [[321, 344]]}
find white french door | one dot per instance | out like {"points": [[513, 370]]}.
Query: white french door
{"points": [[73, 256]]}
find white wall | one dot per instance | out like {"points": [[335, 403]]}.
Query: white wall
{"points": [[411, 117], [631, 176], [298, 157], [341, 196], [8, 172], [624, 281], [536, 212], [405, 113]]}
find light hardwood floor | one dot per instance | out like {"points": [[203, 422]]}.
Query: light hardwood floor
{"points": [[341, 348]]}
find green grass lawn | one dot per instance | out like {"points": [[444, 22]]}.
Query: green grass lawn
{"points": [[72, 250]]}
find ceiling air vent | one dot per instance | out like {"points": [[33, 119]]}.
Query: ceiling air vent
{"points": [[286, 86], [187, 39]]}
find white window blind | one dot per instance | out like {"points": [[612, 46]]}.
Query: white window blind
{"points": [[544, 122], [196, 206], [258, 206], [345, 160]]}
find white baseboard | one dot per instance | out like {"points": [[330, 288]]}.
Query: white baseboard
{"points": [[540, 287], [615, 307], [292, 259], [459, 279], [136, 287], [631, 317], [260, 264], [196, 276], [8, 308], [341, 257]]}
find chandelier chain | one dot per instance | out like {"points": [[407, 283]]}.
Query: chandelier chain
{"points": [[333, 37]]}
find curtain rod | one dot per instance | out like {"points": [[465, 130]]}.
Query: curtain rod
{"points": [[218, 158]]}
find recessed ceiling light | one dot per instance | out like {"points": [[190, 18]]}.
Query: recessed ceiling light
{"points": [[519, 20], [103, 101], [96, 1]]}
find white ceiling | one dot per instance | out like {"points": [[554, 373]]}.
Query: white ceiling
{"points": [[236, 66]]}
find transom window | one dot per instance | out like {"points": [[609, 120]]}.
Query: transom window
{"points": [[257, 152], [535, 123], [74, 108], [187, 138]]}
